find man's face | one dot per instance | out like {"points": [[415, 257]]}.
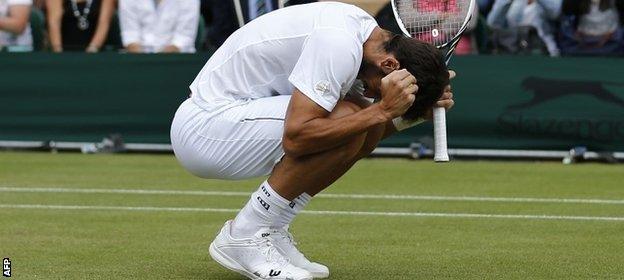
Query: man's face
{"points": [[371, 75]]}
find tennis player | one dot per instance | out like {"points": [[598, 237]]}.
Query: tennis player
{"points": [[287, 95]]}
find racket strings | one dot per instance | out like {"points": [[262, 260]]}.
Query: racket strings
{"points": [[434, 21]]}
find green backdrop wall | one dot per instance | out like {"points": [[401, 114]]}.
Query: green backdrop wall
{"points": [[521, 102]]}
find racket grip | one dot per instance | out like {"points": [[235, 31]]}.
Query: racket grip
{"points": [[439, 135]]}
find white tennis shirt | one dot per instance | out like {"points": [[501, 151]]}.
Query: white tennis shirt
{"points": [[156, 25], [316, 48]]}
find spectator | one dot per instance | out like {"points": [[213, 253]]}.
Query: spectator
{"points": [[248, 10], [15, 32], [159, 26], [79, 25], [220, 21], [592, 27], [507, 17], [224, 17]]}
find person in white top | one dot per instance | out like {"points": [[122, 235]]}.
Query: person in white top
{"points": [[14, 24], [601, 18], [159, 26], [287, 95]]}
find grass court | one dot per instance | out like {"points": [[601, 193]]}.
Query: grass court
{"points": [[74, 216]]}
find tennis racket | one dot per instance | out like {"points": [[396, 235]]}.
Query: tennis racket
{"points": [[441, 23]]}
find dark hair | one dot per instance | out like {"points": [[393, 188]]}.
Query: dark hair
{"points": [[426, 63]]}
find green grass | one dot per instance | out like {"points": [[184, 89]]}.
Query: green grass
{"points": [[105, 244]]}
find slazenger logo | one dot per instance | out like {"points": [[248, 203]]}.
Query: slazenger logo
{"points": [[543, 90], [322, 87], [547, 89]]}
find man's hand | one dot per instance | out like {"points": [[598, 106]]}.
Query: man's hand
{"points": [[446, 100], [134, 48], [170, 49], [397, 93]]}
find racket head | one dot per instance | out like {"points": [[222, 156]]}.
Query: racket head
{"points": [[438, 22]]}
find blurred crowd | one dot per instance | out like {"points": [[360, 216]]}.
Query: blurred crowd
{"points": [[551, 27], [569, 27]]}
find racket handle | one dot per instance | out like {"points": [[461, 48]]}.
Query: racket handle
{"points": [[439, 135]]}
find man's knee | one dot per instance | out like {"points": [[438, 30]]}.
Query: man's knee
{"points": [[366, 150], [352, 150], [363, 144]]}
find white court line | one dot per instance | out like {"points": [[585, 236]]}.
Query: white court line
{"points": [[334, 196], [320, 213]]}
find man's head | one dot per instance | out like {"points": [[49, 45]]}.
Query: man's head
{"points": [[394, 52]]}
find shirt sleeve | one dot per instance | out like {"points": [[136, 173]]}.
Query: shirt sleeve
{"points": [[129, 22], [186, 26], [327, 67]]}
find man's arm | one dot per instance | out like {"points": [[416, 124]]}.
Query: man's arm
{"points": [[308, 129], [17, 22]]}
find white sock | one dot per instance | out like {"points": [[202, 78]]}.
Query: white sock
{"points": [[294, 207], [264, 209]]}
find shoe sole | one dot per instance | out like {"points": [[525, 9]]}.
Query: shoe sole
{"points": [[319, 276], [229, 263]]}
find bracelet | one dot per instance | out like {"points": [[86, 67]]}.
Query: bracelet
{"points": [[402, 124]]}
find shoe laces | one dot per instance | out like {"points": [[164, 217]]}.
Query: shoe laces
{"points": [[270, 252], [289, 240], [284, 234]]}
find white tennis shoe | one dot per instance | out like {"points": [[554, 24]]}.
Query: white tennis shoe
{"points": [[256, 258], [286, 244]]}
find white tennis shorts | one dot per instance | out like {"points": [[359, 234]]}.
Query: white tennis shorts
{"points": [[241, 142]]}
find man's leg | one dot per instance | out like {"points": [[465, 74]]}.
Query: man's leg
{"points": [[313, 173], [242, 142], [274, 203], [292, 183]]}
